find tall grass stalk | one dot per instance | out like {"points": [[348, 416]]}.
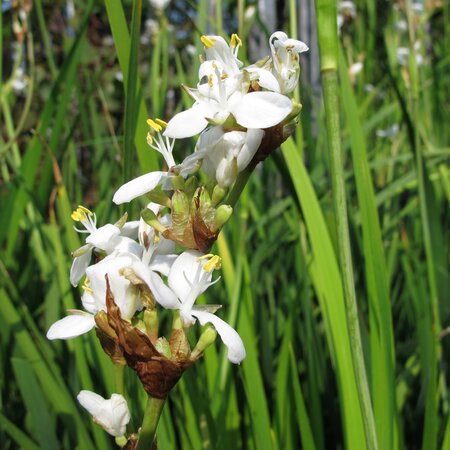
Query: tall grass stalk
{"points": [[327, 37]]}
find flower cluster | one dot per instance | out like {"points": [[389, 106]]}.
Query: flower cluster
{"points": [[241, 114]]}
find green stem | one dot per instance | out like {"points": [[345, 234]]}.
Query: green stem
{"points": [[150, 422], [239, 186], [328, 38], [119, 371]]}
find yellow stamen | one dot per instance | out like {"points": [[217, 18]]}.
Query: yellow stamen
{"points": [[81, 213], [210, 81], [86, 286], [154, 125], [207, 41], [235, 41], [215, 262], [149, 139], [161, 122]]}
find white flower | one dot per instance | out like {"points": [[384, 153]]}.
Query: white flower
{"points": [[286, 60], [159, 252], [112, 415], [225, 154], [108, 238], [388, 132], [159, 4], [216, 49], [403, 55], [219, 95], [187, 279], [146, 183], [94, 297]]}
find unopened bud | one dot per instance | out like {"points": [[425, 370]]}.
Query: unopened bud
{"points": [[223, 214], [149, 218], [218, 195], [207, 338]]}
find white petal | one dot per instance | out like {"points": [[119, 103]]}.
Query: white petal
{"points": [[79, 266], [113, 415], [265, 78], [229, 336], [137, 187], [127, 245], [262, 109], [252, 142], [162, 263], [91, 401], [187, 123], [184, 274], [102, 237], [130, 229], [71, 326], [163, 295]]}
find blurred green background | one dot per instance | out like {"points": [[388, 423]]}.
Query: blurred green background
{"points": [[64, 122]]}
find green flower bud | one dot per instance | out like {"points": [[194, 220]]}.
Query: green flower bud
{"points": [[218, 195], [149, 218], [207, 338], [223, 214]]}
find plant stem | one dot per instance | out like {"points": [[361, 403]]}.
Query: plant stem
{"points": [[327, 35], [119, 370], [239, 186], [149, 423]]}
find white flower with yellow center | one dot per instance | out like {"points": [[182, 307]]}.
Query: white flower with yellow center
{"points": [[108, 239], [286, 60], [223, 91], [146, 183], [189, 276], [94, 297]]}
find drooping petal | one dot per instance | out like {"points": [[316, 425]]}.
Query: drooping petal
{"points": [[112, 415], [163, 294], [71, 326], [79, 266], [188, 123], [261, 109], [185, 274], [229, 336], [139, 186]]}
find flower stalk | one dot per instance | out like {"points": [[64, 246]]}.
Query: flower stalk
{"points": [[152, 414], [328, 38]]}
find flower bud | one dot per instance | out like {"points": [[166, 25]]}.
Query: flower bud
{"points": [[218, 195], [149, 218], [207, 338], [223, 214]]}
